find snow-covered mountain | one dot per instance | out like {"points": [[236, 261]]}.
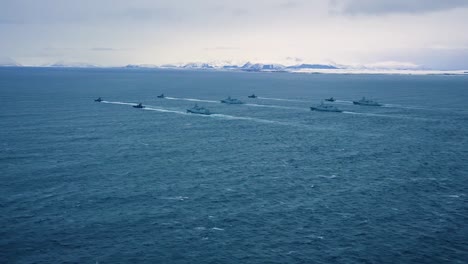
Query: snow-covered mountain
{"points": [[312, 66], [141, 66], [386, 67], [62, 64], [198, 65], [389, 67], [262, 67]]}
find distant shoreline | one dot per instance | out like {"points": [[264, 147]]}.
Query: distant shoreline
{"points": [[300, 71]]}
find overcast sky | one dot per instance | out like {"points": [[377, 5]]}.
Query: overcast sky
{"points": [[432, 33]]}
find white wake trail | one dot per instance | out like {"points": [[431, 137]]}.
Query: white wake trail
{"points": [[119, 103], [230, 117], [162, 110], [343, 102], [276, 106], [368, 114], [192, 100], [281, 99], [404, 107], [381, 115], [383, 105]]}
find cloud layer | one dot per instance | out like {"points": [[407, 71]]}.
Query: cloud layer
{"points": [[116, 32], [395, 6]]}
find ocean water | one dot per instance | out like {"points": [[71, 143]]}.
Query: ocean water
{"points": [[265, 182]]}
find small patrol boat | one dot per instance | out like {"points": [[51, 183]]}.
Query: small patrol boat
{"points": [[252, 96], [366, 102], [98, 100], [139, 106], [199, 110], [230, 100], [331, 99], [325, 108], [161, 96]]}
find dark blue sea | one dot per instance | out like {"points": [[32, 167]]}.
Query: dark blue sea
{"points": [[268, 181]]}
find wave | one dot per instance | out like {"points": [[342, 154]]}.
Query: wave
{"points": [[328, 176], [192, 100], [404, 107], [179, 198]]}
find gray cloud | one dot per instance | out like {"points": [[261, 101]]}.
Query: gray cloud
{"points": [[356, 7], [84, 11], [102, 49]]}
